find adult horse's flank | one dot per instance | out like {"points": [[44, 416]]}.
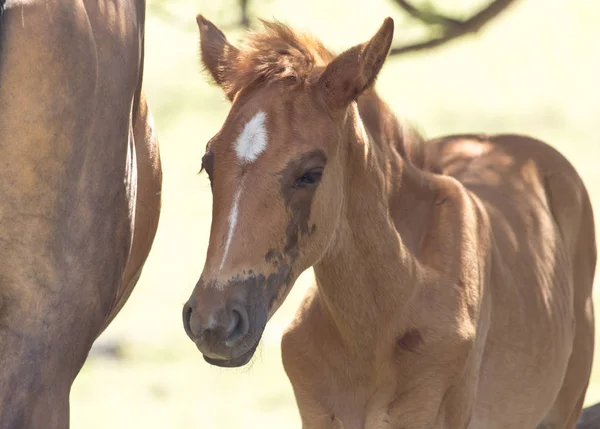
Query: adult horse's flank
{"points": [[453, 278], [80, 184]]}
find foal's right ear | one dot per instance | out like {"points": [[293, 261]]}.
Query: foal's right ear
{"points": [[219, 56]]}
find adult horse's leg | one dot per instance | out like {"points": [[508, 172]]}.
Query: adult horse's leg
{"points": [[69, 183]]}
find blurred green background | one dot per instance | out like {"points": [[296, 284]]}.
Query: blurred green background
{"points": [[534, 70]]}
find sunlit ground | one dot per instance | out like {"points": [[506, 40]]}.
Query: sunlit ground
{"points": [[534, 71]]}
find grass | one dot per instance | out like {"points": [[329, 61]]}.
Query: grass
{"points": [[534, 71]]}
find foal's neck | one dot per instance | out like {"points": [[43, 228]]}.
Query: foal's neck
{"points": [[370, 270]]}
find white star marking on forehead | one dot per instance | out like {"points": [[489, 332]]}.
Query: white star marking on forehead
{"points": [[253, 139]]}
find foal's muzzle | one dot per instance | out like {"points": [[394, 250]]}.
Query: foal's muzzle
{"points": [[226, 322]]}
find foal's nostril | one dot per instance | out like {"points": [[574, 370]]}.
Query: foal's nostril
{"points": [[187, 315], [233, 324], [215, 329], [239, 325]]}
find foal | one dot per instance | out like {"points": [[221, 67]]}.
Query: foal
{"points": [[453, 278]]}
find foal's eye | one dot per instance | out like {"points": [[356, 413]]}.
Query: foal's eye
{"points": [[310, 177]]}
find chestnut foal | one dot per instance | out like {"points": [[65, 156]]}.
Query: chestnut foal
{"points": [[453, 278]]}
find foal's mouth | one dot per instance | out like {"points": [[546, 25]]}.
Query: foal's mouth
{"points": [[236, 362]]}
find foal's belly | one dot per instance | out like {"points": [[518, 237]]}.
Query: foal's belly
{"points": [[519, 400]]}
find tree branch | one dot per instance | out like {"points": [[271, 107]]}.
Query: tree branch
{"points": [[245, 21], [426, 16], [452, 28]]}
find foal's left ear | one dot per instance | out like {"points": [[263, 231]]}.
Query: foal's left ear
{"points": [[354, 71]]}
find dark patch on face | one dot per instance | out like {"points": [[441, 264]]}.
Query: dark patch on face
{"points": [[297, 195], [273, 257], [298, 199], [410, 341], [278, 283]]}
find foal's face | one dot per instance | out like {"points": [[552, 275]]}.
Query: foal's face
{"points": [[277, 175], [276, 183]]}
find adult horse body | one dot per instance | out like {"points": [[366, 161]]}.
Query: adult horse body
{"points": [[453, 277], [80, 183]]}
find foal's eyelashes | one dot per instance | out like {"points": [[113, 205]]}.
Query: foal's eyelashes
{"points": [[207, 163], [310, 177]]}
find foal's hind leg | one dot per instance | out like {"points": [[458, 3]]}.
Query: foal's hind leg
{"points": [[572, 210], [568, 405], [567, 408]]}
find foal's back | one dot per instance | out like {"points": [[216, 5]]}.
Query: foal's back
{"points": [[542, 263]]}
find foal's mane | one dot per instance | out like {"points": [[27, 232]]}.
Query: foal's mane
{"points": [[279, 54]]}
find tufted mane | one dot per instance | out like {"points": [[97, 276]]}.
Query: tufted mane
{"points": [[278, 54]]}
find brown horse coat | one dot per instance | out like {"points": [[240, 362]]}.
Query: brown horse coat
{"points": [[80, 183], [453, 277]]}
